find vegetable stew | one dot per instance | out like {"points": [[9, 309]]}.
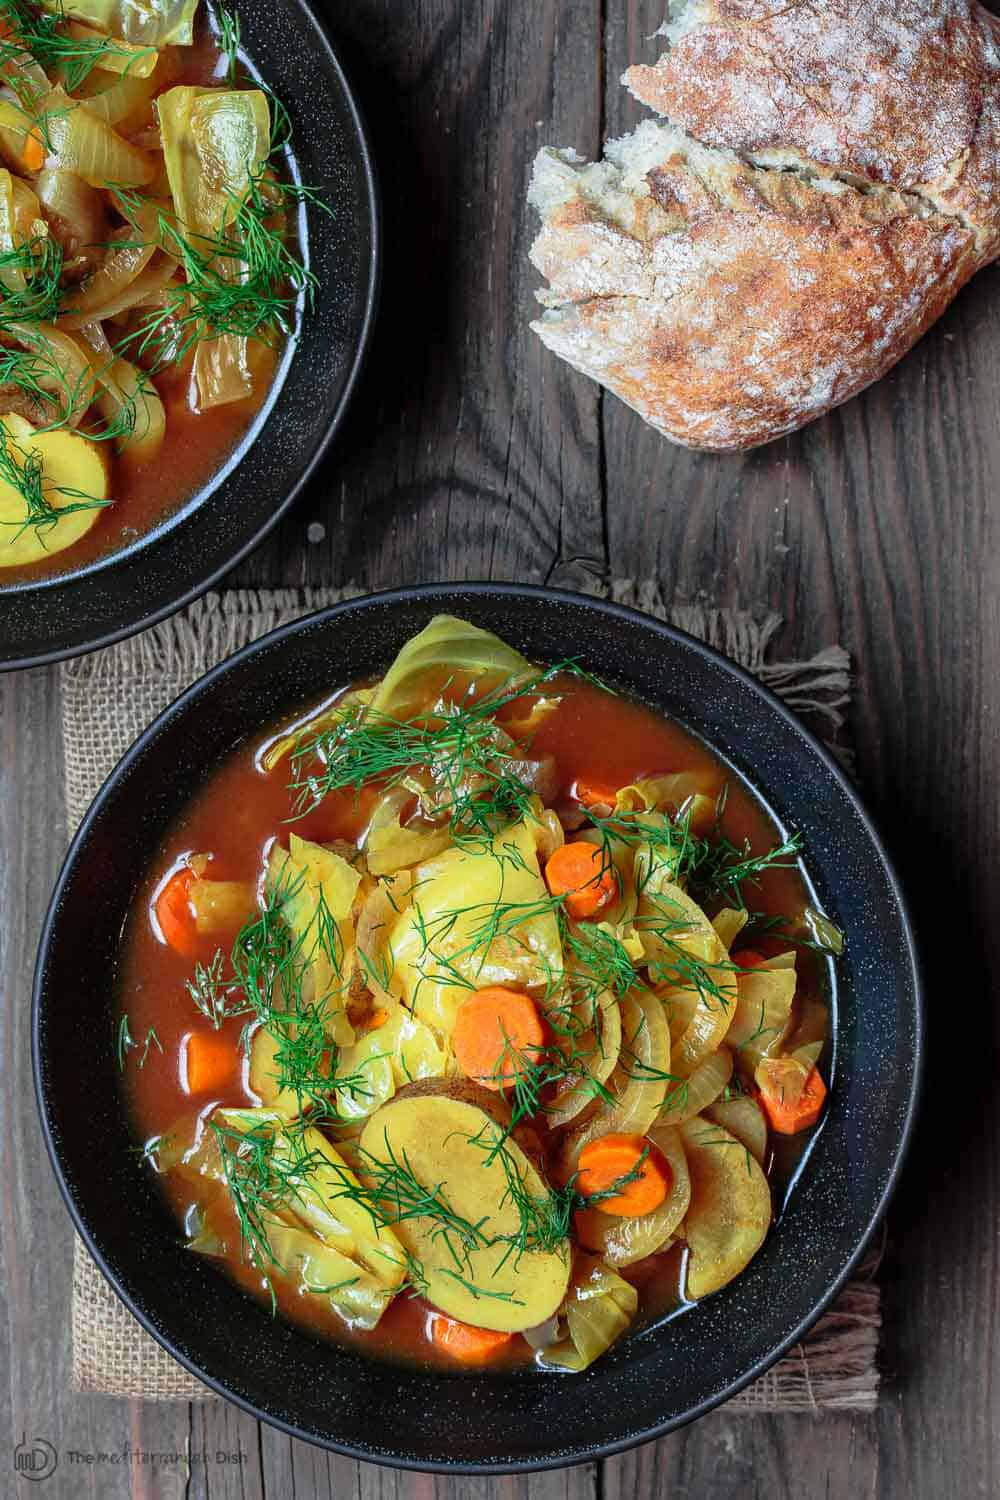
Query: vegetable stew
{"points": [[148, 269], [478, 1016]]}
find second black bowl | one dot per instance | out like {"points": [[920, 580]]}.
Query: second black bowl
{"points": [[652, 1381], [70, 613]]}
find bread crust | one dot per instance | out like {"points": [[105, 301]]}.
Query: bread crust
{"points": [[905, 94], [726, 303]]}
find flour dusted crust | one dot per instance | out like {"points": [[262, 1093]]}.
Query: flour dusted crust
{"points": [[900, 92], [827, 183]]}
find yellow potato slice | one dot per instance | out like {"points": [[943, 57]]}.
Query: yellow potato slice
{"points": [[69, 462], [730, 1211], [498, 1276]]}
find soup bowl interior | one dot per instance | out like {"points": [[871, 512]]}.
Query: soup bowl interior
{"points": [[202, 537], [651, 1381]]}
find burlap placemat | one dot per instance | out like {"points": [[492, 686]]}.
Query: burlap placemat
{"points": [[110, 697]]}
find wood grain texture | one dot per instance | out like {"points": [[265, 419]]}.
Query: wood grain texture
{"points": [[470, 452]]}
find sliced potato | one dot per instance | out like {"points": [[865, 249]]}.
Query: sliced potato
{"points": [[69, 463], [743, 1117], [464, 929], [622, 1241], [479, 1255], [730, 1210]]}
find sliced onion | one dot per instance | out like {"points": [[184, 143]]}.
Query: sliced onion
{"points": [[64, 368], [688, 1098], [596, 1045], [81, 142], [104, 288], [622, 1241], [638, 1084], [148, 284], [78, 208]]}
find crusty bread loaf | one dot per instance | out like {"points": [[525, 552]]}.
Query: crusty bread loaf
{"points": [[825, 187]]}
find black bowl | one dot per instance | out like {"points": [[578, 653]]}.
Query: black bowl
{"points": [[45, 620], [651, 1382]]}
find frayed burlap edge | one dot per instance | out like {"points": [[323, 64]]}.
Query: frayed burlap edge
{"points": [[109, 698]]}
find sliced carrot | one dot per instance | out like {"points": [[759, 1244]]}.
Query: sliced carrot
{"points": [[374, 1021], [472, 1346], [497, 1032], [33, 151], [580, 872], [210, 1062], [174, 913], [749, 958], [595, 793], [790, 1109], [625, 1172]]}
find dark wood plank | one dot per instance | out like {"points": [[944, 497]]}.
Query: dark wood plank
{"points": [[468, 452]]}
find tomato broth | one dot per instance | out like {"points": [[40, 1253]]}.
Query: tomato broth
{"points": [[236, 817]]}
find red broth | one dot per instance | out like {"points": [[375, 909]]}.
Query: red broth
{"points": [[238, 814]]}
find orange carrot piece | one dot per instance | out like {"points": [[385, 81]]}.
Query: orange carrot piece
{"points": [[174, 914], [594, 793], [580, 872], [627, 1162], [788, 1116], [497, 1031], [469, 1345], [33, 151], [210, 1062]]}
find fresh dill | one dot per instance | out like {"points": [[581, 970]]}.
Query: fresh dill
{"points": [[31, 281], [246, 280], [228, 28], [126, 1043], [47, 36], [471, 765]]}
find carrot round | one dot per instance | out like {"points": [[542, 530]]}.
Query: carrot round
{"points": [[625, 1172], [594, 793], [472, 1346], [496, 1032], [580, 872], [788, 1116], [210, 1062], [174, 914]]}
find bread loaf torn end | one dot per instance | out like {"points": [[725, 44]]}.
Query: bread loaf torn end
{"points": [[729, 304]]}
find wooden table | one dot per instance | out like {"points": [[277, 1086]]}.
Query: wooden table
{"points": [[471, 453]]}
